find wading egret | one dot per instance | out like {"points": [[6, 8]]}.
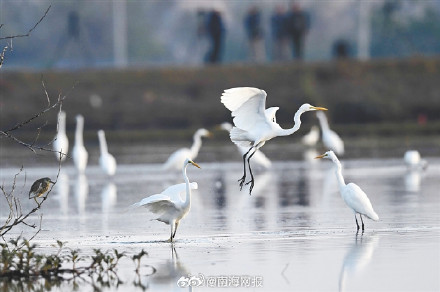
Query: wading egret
{"points": [[352, 194], [259, 158], [40, 187], [254, 124], [312, 137], [413, 160], [79, 152], [330, 139], [61, 143], [168, 205], [106, 160], [177, 158]]}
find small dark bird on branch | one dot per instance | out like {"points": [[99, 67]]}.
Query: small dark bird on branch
{"points": [[39, 187]]}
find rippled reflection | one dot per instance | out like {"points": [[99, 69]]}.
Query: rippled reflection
{"points": [[81, 192], [413, 179], [62, 191], [170, 271], [357, 257], [109, 196]]}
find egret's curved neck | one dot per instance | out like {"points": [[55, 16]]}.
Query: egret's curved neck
{"points": [[187, 203], [323, 121], [197, 143], [79, 132], [338, 171], [297, 121], [102, 143]]}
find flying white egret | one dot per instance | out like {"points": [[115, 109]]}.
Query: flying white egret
{"points": [[177, 158], [168, 205], [61, 143], [312, 137], [254, 124], [106, 160], [330, 139], [79, 152], [413, 160], [259, 158], [352, 194]]}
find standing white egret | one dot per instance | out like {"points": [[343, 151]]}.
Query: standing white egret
{"points": [[414, 161], [254, 124], [330, 139], [177, 158], [79, 152], [61, 143], [312, 137], [106, 160], [168, 205], [259, 158], [352, 194]]}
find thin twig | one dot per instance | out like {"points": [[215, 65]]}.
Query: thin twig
{"points": [[29, 32]]}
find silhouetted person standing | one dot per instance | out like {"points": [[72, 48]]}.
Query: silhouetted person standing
{"points": [[254, 31], [74, 44], [297, 25], [215, 29], [279, 34]]}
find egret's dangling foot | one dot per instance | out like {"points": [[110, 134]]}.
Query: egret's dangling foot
{"points": [[252, 181], [253, 123], [243, 178]]}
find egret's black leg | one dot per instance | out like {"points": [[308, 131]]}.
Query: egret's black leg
{"points": [[175, 228], [252, 182], [241, 180], [356, 222], [360, 215]]}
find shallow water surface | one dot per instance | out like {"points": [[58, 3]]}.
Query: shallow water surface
{"points": [[293, 234]]}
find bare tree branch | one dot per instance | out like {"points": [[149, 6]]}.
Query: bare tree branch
{"points": [[29, 32], [31, 146], [17, 217]]}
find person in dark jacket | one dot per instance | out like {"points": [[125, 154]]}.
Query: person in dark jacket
{"points": [[297, 25], [279, 34], [254, 31], [215, 30]]}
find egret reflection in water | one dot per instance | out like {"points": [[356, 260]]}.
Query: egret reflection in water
{"points": [[62, 192], [413, 179], [109, 195], [171, 270], [81, 193], [358, 257]]}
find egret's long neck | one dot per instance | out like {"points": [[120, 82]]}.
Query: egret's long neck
{"points": [[197, 143], [297, 121], [338, 171], [79, 132], [102, 143], [187, 203], [323, 121], [62, 124]]}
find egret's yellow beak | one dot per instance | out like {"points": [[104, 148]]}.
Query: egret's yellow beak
{"points": [[317, 108], [195, 164], [320, 156]]}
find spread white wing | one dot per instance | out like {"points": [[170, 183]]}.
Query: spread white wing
{"points": [[247, 105]]}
